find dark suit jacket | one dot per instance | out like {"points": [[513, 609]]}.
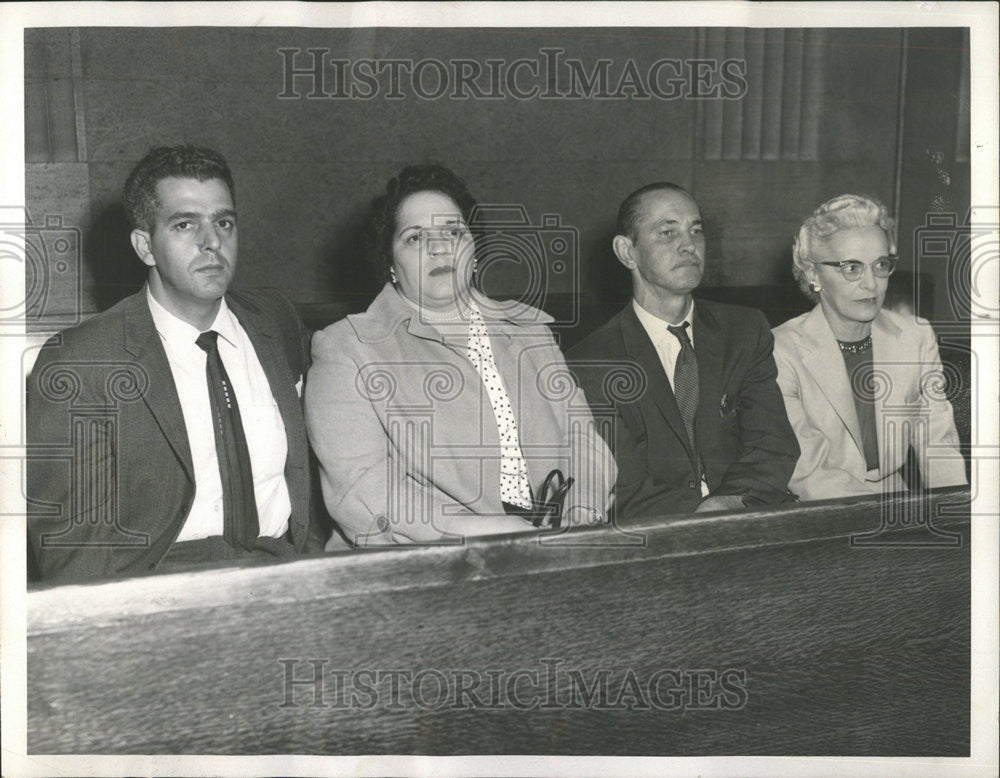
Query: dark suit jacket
{"points": [[109, 474], [745, 441]]}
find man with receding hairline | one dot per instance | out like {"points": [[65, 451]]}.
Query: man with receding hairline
{"points": [[708, 430], [180, 407]]}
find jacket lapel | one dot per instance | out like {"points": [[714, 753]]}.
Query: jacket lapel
{"points": [[641, 350], [143, 343], [279, 376], [824, 361]]}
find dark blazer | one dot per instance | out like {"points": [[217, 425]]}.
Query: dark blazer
{"points": [[746, 443], [109, 474]]}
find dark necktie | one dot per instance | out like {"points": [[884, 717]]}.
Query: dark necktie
{"points": [[239, 505], [686, 381]]}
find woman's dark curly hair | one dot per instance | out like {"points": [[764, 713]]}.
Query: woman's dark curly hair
{"points": [[385, 208]]}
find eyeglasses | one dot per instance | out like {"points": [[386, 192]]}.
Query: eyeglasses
{"points": [[853, 269]]}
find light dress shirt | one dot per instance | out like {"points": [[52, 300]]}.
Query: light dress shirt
{"points": [[668, 345], [262, 422]]}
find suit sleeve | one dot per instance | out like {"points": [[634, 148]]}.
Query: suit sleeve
{"points": [[69, 534], [814, 478], [609, 385], [768, 445], [638, 493], [941, 462]]}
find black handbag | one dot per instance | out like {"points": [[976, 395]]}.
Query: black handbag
{"points": [[549, 509]]}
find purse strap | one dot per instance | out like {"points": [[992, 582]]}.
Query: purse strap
{"points": [[554, 489]]}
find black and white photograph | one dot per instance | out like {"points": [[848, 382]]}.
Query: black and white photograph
{"points": [[500, 388]]}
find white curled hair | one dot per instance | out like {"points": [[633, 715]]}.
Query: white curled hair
{"points": [[842, 212]]}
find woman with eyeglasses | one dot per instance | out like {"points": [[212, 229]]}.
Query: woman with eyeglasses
{"points": [[440, 413], [862, 385]]}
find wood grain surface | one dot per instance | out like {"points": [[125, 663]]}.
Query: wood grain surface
{"points": [[770, 633]]}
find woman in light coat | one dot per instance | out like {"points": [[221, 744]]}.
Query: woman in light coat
{"points": [[439, 413], [862, 385]]}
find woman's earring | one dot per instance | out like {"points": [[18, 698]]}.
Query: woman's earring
{"points": [[475, 265], [392, 276], [815, 287]]}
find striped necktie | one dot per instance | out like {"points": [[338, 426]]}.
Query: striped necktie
{"points": [[686, 381]]}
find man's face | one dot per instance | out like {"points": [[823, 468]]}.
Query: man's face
{"points": [[668, 250], [193, 247]]}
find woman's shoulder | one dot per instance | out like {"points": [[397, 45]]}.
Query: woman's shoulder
{"points": [[333, 340], [905, 327], [789, 332], [513, 312], [903, 321], [363, 331], [337, 330]]}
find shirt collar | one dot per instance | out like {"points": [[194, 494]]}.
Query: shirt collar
{"points": [[175, 330], [654, 324]]}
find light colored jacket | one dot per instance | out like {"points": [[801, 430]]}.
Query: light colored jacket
{"points": [[404, 431], [910, 407]]}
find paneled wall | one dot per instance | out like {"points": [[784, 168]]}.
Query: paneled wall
{"points": [[820, 115]]}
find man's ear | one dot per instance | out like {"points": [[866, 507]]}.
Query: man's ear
{"points": [[623, 250], [143, 247]]}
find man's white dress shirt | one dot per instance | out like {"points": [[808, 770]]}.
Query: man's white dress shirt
{"points": [[262, 423], [667, 345]]}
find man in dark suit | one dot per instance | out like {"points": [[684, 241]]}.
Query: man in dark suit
{"points": [[687, 387], [168, 430]]}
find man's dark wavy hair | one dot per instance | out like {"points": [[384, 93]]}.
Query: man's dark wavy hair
{"points": [[384, 209], [140, 199]]}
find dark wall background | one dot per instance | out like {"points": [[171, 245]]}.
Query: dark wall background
{"points": [[881, 111]]}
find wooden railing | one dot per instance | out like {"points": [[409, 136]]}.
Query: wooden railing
{"points": [[813, 629]]}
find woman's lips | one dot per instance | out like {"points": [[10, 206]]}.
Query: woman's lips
{"points": [[442, 270]]}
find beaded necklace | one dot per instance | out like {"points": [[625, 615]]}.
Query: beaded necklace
{"points": [[855, 347]]}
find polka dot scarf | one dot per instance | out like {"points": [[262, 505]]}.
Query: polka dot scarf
{"points": [[514, 485]]}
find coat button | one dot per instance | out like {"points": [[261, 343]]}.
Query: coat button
{"points": [[692, 485]]}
